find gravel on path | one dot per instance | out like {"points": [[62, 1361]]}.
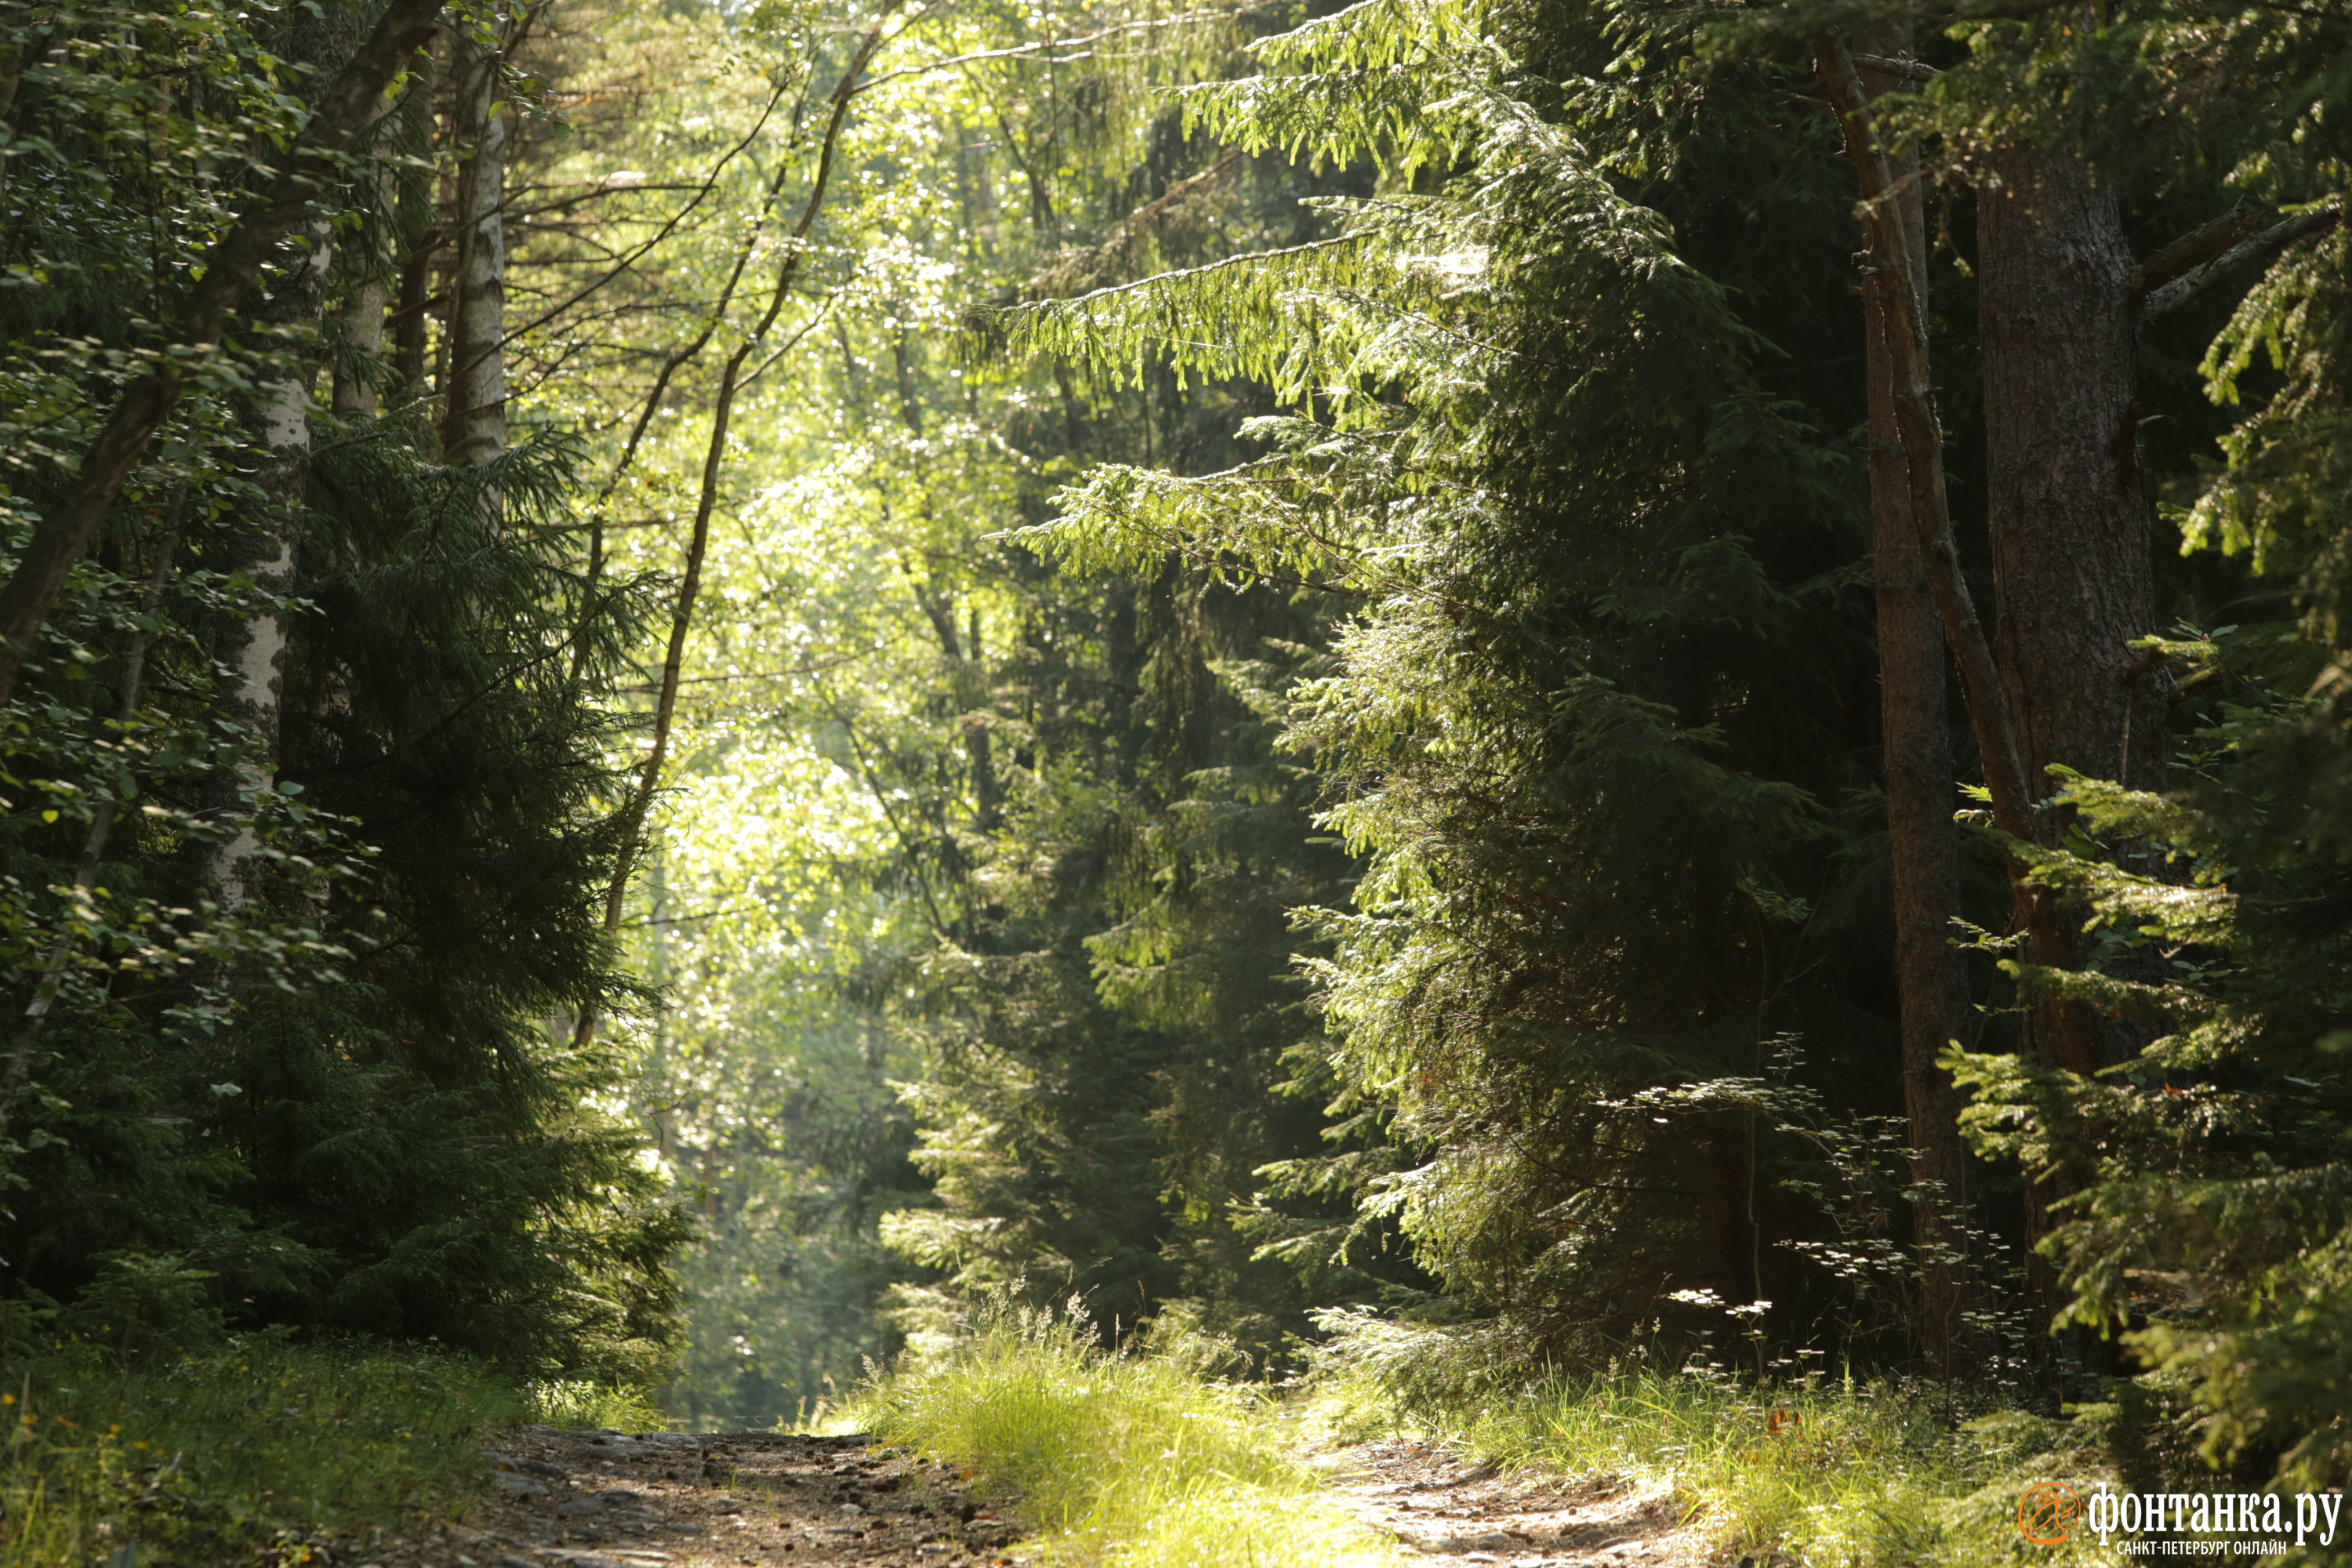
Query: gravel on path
{"points": [[676, 1499]]}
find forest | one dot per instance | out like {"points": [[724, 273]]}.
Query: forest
{"points": [[1464, 708]]}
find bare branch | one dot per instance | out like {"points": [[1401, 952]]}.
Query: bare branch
{"points": [[1909, 71], [2262, 246], [2193, 249]]}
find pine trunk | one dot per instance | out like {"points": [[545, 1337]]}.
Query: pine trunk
{"points": [[1931, 979], [2069, 523], [2070, 534], [2069, 526]]}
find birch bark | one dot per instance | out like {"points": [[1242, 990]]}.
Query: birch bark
{"points": [[474, 428], [255, 649]]}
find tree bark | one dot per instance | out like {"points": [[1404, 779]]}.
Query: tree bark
{"points": [[2073, 583], [1931, 979], [278, 425], [229, 269], [2073, 579], [1913, 394], [474, 427], [363, 336], [371, 295]]}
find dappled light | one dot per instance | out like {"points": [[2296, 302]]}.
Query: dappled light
{"points": [[1262, 784]]}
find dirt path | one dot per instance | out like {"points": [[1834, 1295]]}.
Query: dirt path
{"points": [[758, 1499], [672, 1500], [1452, 1512]]}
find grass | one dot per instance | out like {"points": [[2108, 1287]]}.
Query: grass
{"points": [[258, 1452], [1136, 1458], [1815, 1473], [580, 1404], [1144, 1460], [1825, 1476]]}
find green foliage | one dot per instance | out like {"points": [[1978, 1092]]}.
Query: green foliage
{"points": [[1003, 985], [2210, 1220], [584, 1405], [1579, 722], [328, 1094], [1852, 1474], [251, 1451], [2206, 1222], [1133, 1457], [2281, 497]]}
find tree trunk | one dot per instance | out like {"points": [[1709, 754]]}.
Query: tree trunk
{"points": [[363, 310], [474, 428], [1931, 979], [2069, 526], [1913, 394], [363, 335], [2070, 529], [280, 426]]}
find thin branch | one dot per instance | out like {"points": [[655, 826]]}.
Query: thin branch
{"points": [[629, 260], [714, 457], [2261, 247], [1909, 71], [2193, 249]]}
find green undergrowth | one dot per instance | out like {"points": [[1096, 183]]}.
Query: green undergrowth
{"points": [[584, 1405], [1139, 1458], [1818, 1473], [255, 1452]]}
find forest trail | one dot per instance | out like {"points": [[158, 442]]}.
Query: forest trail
{"points": [[760, 1499], [674, 1499], [1451, 1512]]}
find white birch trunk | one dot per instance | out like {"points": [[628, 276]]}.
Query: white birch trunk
{"points": [[364, 331], [474, 430], [256, 649], [355, 391]]}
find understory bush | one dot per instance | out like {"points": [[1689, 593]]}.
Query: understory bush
{"points": [[586, 1404]]}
